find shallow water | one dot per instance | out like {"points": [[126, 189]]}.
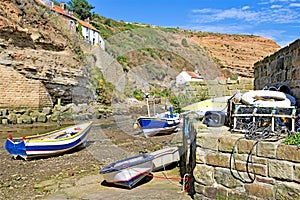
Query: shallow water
{"points": [[19, 130]]}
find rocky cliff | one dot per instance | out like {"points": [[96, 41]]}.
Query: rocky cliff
{"points": [[42, 61], [34, 45], [236, 53]]}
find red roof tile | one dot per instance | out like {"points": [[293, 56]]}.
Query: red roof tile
{"points": [[193, 74], [61, 11]]}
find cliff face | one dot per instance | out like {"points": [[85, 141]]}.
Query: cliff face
{"points": [[237, 53], [34, 45], [41, 60]]}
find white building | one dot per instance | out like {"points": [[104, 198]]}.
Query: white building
{"points": [[90, 33], [188, 76]]}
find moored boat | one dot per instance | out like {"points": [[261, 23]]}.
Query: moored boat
{"points": [[49, 144], [214, 104], [128, 172], [152, 126]]}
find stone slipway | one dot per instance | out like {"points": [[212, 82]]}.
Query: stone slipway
{"points": [[90, 187]]}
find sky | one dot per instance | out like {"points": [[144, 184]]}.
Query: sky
{"points": [[278, 20]]}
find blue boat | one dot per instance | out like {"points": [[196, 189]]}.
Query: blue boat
{"points": [[160, 124], [128, 172], [48, 144]]}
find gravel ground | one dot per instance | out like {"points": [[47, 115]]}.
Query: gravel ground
{"points": [[75, 175]]}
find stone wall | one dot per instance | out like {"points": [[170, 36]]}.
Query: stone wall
{"points": [[218, 88], [275, 167], [19, 91], [280, 69]]}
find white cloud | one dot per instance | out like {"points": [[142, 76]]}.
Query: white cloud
{"points": [[211, 15], [245, 7], [273, 19], [294, 5], [230, 29], [275, 14], [276, 6]]}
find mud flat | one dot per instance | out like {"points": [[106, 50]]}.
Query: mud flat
{"points": [[75, 175]]}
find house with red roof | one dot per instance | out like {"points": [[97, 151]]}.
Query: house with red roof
{"points": [[89, 33], [188, 76]]}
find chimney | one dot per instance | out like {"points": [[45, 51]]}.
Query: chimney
{"points": [[63, 5]]}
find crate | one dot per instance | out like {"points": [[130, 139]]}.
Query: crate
{"points": [[263, 116]]}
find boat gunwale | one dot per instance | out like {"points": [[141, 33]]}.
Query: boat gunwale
{"points": [[39, 138], [111, 167]]}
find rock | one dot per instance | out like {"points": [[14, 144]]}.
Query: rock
{"points": [[66, 108], [20, 120], [46, 111], [54, 118], [12, 118], [27, 119], [42, 118], [20, 111], [5, 121], [44, 184], [3, 112]]}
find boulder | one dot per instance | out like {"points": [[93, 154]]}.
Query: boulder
{"points": [[42, 118], [27, 119]]}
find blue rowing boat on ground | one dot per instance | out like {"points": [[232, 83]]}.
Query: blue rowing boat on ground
{"points": [[48, 144], [152, 126], [163, 123]]}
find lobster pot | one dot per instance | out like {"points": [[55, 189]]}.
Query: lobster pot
{"points": [[215, 118]]}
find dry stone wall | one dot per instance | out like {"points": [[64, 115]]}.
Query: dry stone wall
{"points": [[219, 174], [280, 68], [218, 88]]}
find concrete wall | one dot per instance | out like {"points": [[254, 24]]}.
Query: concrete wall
{"points": [[276, 166], [19, 91], [280, 68]]}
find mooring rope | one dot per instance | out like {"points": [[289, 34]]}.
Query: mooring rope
{"points": [[258, 134]]}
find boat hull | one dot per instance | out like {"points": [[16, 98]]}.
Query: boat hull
{"points": [[152, 126], [165, 157], [214, 104], [44, 145], [128, 172]]}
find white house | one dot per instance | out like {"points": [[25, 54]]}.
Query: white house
{"points": [[188, 76], [90, 33]]}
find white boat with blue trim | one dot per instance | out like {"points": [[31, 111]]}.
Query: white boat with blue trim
{"points": [[49, 144], [128, 172], [164, 123]]}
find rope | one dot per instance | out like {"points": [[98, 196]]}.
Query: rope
{"points": [[256, 133], [186, 179]]}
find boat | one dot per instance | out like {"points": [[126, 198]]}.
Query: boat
{"points": [[163, 123], [165, 157], [152, 126], [128, 172], [213, 104], [48, 144], [266, 98]]}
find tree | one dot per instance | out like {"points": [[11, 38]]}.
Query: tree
{"points": [[81, 8]]}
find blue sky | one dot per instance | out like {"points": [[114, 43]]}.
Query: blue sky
{"points": [[278, 20]]}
